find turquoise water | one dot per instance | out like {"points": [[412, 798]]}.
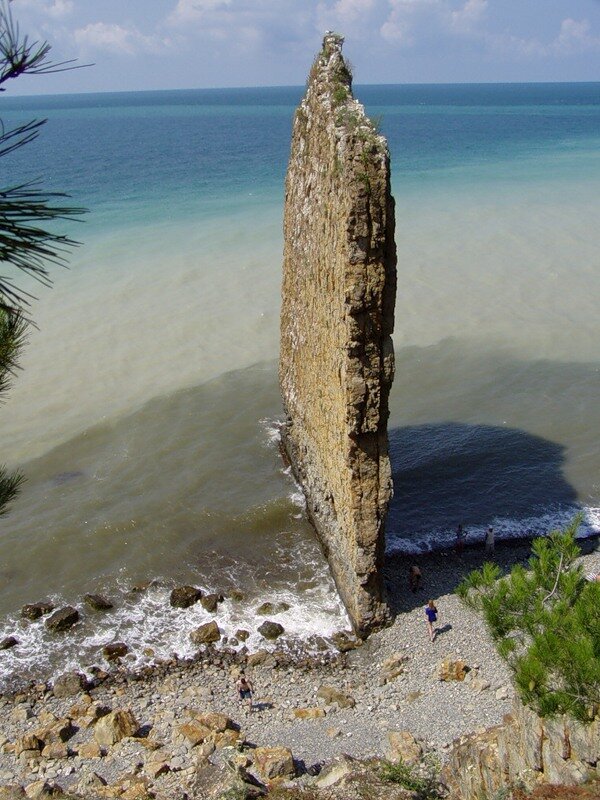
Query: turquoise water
{"points": [[145, 417]]}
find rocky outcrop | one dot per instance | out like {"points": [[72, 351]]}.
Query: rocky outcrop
{"points": [[336, 363], [526, 750]]}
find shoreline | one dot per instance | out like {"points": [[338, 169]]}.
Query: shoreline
{"points": [[441, 566], [162, 697]]}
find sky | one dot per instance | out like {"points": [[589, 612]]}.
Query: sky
{"points": [[185, 44]]}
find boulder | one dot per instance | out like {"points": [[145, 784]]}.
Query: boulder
{"points": [[272, 608], [332, 695], [63, 619], [205, 634], [345, 643], [335, 771], [271, 630], [274, 762], [56, 750], [69, 684], [449, 670], [184, 596], [27, 743], [242, 634], [258, 658], [228, 738], [308, 713], [55, 731], [215, 721], [392, 667], [114, 651], [89, 750], [210, 602], [402, 746], [42, 789], [195, 732], [115, 726], [98, 602], [8, 642], [36, 610], [236, 595], [12, 792]]}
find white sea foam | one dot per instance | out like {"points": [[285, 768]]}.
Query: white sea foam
{"points": [[154, 630], [504, 528]]}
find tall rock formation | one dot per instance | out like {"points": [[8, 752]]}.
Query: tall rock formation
{"points": [[337, 360]]}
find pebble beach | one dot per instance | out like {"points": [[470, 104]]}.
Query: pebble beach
{"points": [[390, 683]]}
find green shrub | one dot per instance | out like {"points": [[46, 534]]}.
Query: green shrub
{"points": [[545, 621]]}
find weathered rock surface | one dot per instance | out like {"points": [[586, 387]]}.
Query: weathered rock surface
{"points": [[98, 602], [274, 762], [336, 363], [270, 630], [114, 650], [184, 596], [69, 684], [37, 610], [63, 619], [205, 634], [115, 726]]}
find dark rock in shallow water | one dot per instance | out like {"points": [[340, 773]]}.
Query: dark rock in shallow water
{"points": [[63, 619], [37, 610], [205, 634], [242, 634], [271, 630], [184, 596], [272, 608], [7, 642], [115, 650], [69, 684], [210, 602], [98, 602], [236, 595]]}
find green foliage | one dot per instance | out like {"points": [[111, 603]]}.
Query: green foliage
{"points": [[424, 781], [26, 245], [340, 94], [545, 620]]}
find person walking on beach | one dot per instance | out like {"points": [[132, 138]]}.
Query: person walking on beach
{"points": [[245, 689], [414, 578], [489, 541], [431, 616], [460, 539]]}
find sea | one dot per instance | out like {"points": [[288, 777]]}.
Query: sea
{"points": [[145, 416]]}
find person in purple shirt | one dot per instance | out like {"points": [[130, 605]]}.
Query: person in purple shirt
{"points": [[431, 615]]}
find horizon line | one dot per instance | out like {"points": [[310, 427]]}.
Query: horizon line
{"points": [[301, 86]]}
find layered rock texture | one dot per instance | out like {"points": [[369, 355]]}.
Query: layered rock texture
{"points": [[337, 360], [526, 750]]}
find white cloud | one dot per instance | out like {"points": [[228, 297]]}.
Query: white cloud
{"points": [[52, 8], [471, 13], [187, 11], [576, 37], [116, 39], [406, 16]]}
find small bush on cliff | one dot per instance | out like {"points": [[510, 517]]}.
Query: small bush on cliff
{"points": [[422, 779], [545, 621]]}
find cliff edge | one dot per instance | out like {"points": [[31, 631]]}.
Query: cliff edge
{"points": [[337, 360]]}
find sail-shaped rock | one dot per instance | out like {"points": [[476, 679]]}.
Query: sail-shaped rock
{"points": [[337, 361]]}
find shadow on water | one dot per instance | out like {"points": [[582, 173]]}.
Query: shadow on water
{"points": [[446, 473], [449, 473]]}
